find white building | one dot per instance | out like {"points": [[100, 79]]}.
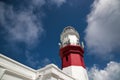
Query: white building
{"points": [[71, 53], [13, 70]]}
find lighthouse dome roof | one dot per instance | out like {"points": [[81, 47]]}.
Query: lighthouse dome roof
{"points": [[69, 30]]}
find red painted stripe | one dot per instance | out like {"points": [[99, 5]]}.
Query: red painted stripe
{"points": [[72, 55]]}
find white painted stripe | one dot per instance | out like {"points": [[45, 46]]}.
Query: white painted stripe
{"points": [[77, 72]]}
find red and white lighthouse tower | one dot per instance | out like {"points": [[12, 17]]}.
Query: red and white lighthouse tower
{"points": [[72, 54]]}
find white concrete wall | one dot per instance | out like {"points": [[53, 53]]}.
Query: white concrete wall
{"points": [[10, 77], [2, 72], [15, 67], [13, 70], [78, 72], [6, 75], [53, 72]]}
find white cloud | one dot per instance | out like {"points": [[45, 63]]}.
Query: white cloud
{"points": [[110, 72], [57, 2], [45, 61], [103, 30], [21, 24], [38, 3], [31, 59], [34, 61]]}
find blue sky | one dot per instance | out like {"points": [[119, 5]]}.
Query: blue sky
{"points": [[30, 32]]}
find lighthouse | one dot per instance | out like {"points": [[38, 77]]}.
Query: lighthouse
{"points": [[72, 54]]}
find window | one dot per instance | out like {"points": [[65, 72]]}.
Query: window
{"points": [[66, 58]]}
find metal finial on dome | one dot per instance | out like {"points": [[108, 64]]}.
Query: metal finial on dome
{"points": [[68, 28]]}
